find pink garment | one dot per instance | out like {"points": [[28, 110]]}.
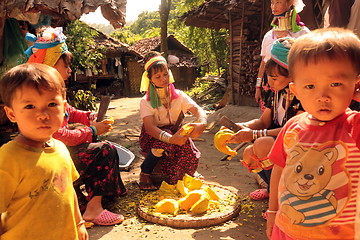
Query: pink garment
{"points": [[74, 137]]}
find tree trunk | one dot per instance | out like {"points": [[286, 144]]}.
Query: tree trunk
{"points": [[164, 16]]}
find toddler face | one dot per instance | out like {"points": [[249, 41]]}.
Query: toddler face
{"points": [[37, 114], [326, 88]]}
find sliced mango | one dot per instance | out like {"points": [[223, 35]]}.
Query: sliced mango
{"points": [[212, 194], [181, 188], [170, 206], [195, 184], [189, 200], [200, 206], [187, 179]]}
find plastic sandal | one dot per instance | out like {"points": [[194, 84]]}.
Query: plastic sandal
{"points": [[107, 218], [259, 194]]}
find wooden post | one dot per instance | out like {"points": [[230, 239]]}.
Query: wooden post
{"points": [[231, 82]]}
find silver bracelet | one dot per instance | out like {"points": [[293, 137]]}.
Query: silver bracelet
{"points": [[255, 134], [165, 136], [265, 132], [258, 82], [202, 120]]}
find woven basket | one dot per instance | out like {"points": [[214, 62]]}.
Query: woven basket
{"points": [[189, 221]]}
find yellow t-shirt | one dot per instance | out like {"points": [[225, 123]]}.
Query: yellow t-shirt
{"points": [[36, 192]]}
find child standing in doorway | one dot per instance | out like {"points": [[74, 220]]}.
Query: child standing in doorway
{"points": [[36, 171], [315, 179]]}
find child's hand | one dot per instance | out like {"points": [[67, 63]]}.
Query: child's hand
{"points": [[270, 224], [82, 232], [102, 127], [244, 135]]}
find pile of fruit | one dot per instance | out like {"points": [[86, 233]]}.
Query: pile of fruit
{"points": [[189, 196]]}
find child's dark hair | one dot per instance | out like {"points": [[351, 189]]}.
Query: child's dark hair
{"points": [[328, 43], [271, 67], [39, 76], [159, 66]]}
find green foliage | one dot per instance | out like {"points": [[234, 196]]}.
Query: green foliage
{"points": [[146, 20], [80, 40], [203, 91], [126, 36], [84, 100]]}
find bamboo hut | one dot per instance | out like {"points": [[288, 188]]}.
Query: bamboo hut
{"points": [[113, 77], [247, 21], [182, 62]]}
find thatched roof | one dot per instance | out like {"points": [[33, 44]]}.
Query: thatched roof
{"points": [[63, 11], [185, 55], [112, 45], [215, 13]]}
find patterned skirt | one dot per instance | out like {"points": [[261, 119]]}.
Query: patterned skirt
{"points": [[177, 160], [98, 166]]}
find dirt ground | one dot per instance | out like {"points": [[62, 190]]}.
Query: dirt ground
{"points": [[230, 174]]}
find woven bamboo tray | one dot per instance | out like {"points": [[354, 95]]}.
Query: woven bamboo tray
{"points": [[229, 203]]}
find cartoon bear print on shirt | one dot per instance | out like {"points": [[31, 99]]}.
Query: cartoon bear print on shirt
{"points": [[307, 201]]}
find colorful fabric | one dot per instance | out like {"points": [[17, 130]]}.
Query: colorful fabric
{"points": [[154, 60], [98, 166], [74, 137], [324, 156], [97, 163], [37, 196], [145, 81], [164, 116], [280, 51], [48, 47], [177, 160]]}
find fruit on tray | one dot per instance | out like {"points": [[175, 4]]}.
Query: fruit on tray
{"points": [[189, 200], [200, 206], [212, 194], [170, 206], [181, 188]]}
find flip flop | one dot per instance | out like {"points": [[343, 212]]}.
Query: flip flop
{"points": [[145, 186], [107, 218], [259, 194]]}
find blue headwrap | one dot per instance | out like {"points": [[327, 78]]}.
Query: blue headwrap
{"points": [[280, 51]]}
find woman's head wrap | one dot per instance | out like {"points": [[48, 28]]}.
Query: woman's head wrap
{"points": [[280, 51], [150, 88], [49, 45], [145, 81]]}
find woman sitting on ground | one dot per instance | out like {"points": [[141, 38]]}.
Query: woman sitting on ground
{"points": [[281, 106], [160, 137]]}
